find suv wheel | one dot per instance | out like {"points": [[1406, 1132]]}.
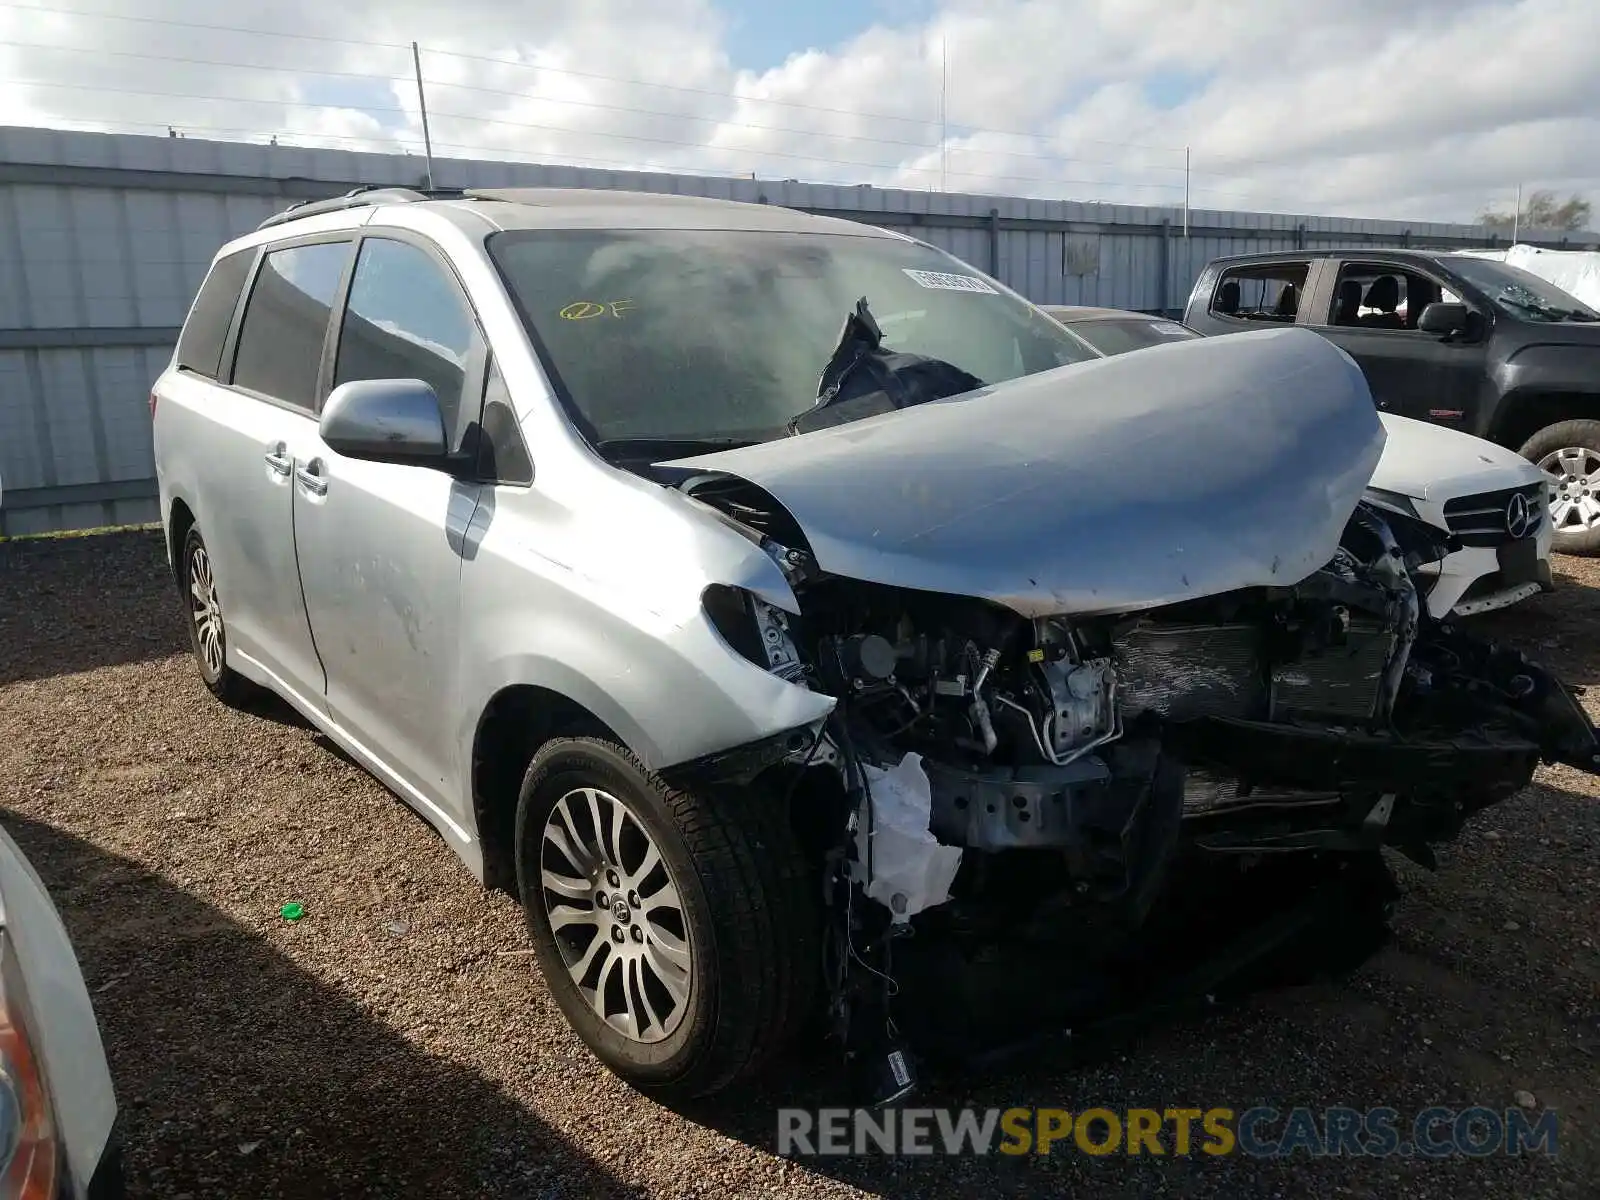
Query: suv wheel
{"points": [[1569, 452], [207, 633], [678, 931]]}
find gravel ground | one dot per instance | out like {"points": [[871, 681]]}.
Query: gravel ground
{"points": [[398, 1040]]}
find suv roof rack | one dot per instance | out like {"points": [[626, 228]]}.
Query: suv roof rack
{"points": [[368, 194]]}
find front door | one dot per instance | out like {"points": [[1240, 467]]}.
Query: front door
{"points": [[1372, 316], [380, 544]]}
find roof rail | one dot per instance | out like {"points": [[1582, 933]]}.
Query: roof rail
{"points": [[367, 194]]}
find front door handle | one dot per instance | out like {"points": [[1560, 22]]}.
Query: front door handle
{"points": [[311, 477], [278, 459]]}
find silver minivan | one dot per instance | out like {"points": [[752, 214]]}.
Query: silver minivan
{"points": [[789, 612]]}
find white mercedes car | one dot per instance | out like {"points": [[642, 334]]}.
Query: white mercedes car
{"points": [[1492, 499]]}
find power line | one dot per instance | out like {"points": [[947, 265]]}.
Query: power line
{"points": [[443, 114], [211, 97], [740, 97], [55, 11], [379, 138], [203, 62], [507, 62], [387, 143], [395, 108], [522, 96], [544, 127]]}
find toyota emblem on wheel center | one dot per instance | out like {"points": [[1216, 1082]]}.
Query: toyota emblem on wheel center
{"points": [[1518, 517]]}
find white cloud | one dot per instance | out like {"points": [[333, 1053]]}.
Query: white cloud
{"points": [[1427, 110]]}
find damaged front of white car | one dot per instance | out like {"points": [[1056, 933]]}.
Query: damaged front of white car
{"points": [[1127, 640]]}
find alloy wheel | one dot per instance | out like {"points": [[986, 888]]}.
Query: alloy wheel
{"points": [[616, 914], [206, 610], [1574, 488]]}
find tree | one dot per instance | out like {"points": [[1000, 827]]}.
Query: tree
{"points": [[1542, 211]]}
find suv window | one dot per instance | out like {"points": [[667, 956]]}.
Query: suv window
{"points": [[1379, 296], [1261, 292], [286, 322], [407, 319], [205, 332]]}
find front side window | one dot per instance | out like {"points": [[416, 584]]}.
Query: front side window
{"points": [[662, 335], [286, 322], [1383, 296], [1521, 293], [1261, 292], [407, 319]]}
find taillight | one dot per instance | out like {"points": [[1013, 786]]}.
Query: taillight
{"points": [[152, 404], [29, 1153]]}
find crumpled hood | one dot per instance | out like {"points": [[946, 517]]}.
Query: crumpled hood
{"points": [[1430, 462], [1114, 485]]}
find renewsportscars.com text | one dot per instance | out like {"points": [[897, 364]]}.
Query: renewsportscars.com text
{"points": [[1258, 1132]]}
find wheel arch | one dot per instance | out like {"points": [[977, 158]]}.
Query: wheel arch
{"points": [[516, 722], [1522, 413], [180, 519]]}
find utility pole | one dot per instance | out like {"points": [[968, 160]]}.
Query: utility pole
{"points": [[422, 103], [944, 83], [1516, 216], [1186, 193]]}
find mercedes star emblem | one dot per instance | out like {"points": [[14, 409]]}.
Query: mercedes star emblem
{"points": [[1518, 517]]}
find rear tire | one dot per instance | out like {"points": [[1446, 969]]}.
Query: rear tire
{"points": [[208, 635], [679, 931], [1569, 452]]}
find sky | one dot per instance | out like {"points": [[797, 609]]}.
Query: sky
{"points": [[1416, 110]]}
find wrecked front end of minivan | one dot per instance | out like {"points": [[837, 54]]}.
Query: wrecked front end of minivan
{"points": [[1129, 681]]}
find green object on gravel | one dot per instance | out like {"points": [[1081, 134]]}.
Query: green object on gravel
{"points": [[292, 911]]}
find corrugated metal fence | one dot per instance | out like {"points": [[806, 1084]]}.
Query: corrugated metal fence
{"points": [[105, 237]]}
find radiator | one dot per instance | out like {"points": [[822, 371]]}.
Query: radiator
{"points": [[1188, 671]]}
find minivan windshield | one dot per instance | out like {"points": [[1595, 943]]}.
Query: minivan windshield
{"points": [[721, 335], [1521, 293]]}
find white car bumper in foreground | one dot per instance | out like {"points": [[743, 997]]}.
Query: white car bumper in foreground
{"points": [[57, 1109]]}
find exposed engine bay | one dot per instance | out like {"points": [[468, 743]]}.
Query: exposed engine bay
{"points": [[1091, 750], [1086, 765]]}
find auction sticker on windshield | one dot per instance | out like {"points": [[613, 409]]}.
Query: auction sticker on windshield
{"points": [[944, 281]]}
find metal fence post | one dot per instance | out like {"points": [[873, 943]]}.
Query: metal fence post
{"points": [[1165, 292], [994, 242]]}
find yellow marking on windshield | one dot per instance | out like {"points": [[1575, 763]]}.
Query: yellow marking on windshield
{"points": [[587, 310]]}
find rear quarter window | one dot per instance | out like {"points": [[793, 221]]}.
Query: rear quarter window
{"points": [[204, 333]]}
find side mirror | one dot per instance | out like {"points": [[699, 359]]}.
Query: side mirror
{"points": [[1444, 318], [386, 420]]}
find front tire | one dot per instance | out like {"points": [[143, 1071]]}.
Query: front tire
{"points": [[1569, 453], [208, 635], [678, 930]]}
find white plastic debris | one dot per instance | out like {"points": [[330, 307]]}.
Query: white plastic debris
{"points": [[909, 869], [1576, 272]]}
